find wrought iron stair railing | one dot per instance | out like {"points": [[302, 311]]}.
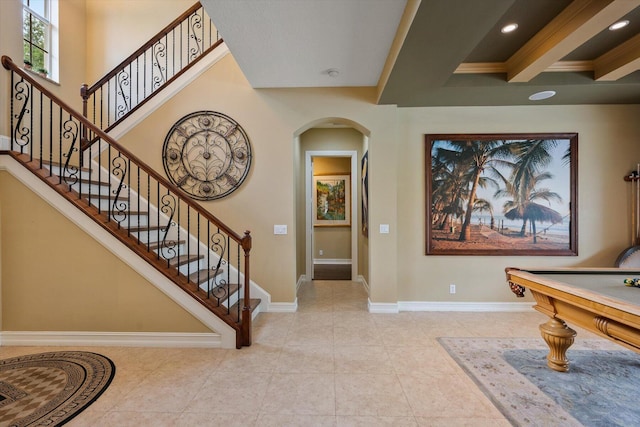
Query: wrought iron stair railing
{"points": [[157, 63], [153, 217]]}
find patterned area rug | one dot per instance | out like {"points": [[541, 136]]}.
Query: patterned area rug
{"points": [[51, 388], [600, 389]]}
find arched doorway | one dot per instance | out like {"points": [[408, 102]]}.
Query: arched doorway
{"points": [[328, 138]]}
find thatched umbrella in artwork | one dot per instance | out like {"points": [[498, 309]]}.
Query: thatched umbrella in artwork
{"points": [[534, 212]]}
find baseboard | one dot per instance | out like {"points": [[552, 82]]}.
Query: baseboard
{"points": [[448, 306], [301, 280], [284, 307], [341, 261], [111, 339], [362, 280], [463, 306], [382, 307]]}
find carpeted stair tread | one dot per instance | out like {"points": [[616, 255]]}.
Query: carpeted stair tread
{"points": [[94, 182], [137, 229], [204, 275], [61, 165], [184, 259], [102, 196], [137, 213], [230, 289], [166, 244]]}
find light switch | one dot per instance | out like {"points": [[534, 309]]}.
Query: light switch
{"points": [[384, 228], [279, 229]]}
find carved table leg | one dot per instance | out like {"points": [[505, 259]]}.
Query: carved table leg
{"points": [[559, 338]]}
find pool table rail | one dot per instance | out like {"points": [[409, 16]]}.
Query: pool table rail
{"points": [[609, 317]]}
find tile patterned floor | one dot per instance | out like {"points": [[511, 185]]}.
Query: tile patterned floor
{"points": [[330, 364]]}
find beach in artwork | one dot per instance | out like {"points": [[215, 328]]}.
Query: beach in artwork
{"points": [[484, 238], [501, 194]]}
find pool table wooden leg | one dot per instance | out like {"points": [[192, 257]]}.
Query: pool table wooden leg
{"points": [[559, 338]]}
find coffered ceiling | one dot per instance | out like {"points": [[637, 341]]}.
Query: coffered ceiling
{"points": [[440, 52]]}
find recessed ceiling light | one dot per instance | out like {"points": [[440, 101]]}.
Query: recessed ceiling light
{"points": [[332, 72], [539, 96], [509, 28], [618, 25]]}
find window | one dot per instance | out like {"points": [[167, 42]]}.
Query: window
{"points": [[37, 30]]}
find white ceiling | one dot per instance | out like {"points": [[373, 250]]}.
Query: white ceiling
{"points": [[293, 43]]}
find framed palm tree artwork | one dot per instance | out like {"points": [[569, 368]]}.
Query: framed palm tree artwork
{"points": [[501, 194]]}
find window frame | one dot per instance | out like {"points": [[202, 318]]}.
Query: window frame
{"points": [[50, 42]]}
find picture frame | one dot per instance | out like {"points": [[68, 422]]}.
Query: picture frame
{"points": [[364, 170], [501, 194], [331, 200]]}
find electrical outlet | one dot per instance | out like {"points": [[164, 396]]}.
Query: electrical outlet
{"points": [[452, 288], [321, 252]]}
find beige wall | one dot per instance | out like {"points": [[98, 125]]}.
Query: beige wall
{"points": [[71, 52], [56, 277], [607, 150], [119, 27], [11, 46], [399, 270], [273, 118]]}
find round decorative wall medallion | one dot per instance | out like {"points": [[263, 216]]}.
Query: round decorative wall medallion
{"points": [[207, 154]]}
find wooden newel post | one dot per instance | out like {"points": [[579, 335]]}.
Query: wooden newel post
{"points": [[246, 307]]}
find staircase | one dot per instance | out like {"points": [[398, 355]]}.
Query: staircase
{"points": [[135, 204]]}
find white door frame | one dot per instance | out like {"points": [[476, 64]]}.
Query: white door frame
{"points": [[309, 207]]}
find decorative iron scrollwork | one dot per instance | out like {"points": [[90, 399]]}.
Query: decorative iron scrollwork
{"points": [[207, 154], [22, 132]]}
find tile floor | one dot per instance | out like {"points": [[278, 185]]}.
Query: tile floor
{"points": [[330, 364]]}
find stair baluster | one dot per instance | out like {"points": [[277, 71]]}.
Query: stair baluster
{"points": [[166, 56]]}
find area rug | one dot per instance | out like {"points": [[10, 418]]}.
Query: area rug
{"points": [[49, 389], [602, 387]]}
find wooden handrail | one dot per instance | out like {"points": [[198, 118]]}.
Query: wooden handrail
{"points": [[143, 48], [245, 240]]}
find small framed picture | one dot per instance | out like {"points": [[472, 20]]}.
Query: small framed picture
{"points": [[331, 198]]}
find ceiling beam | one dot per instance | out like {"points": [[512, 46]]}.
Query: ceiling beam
{"points": [[576, 24], [404, 26], [501, 67], [443, 33], [618, 62]]}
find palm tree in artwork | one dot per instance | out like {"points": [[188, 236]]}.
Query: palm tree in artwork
{"points": [[482, 205], [478, 157], [532, 156], [448, 189], [527, 209]]}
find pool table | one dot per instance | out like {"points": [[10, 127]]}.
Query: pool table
{"points": [[596, 299]]}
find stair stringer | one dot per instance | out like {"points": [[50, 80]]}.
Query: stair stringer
{"points": [[208, 61], [142, 204], [225, 335]]}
